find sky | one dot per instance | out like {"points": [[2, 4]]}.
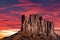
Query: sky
{"points": [[11, 11]]}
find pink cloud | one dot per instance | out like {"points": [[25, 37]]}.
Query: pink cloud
{"points": [[2, 8], [26, 4], [9, 22], [24, 1], [32, 8]]}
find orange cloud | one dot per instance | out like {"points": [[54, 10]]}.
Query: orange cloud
{"points": [[6, 33]]}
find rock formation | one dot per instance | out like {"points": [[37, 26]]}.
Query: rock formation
{"points": [[34, 28]]}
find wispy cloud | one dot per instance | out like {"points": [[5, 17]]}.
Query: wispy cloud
{"points": [[11, 11]]}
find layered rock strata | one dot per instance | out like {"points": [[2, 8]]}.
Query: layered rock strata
{"points": [[34, 28]]}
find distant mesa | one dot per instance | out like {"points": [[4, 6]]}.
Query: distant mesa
{"points": [[34, 28]]}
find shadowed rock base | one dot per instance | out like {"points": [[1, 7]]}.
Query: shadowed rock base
{"points": [[28, 36], [34, 28]]}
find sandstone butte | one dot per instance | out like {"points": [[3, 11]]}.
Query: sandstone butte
{"points": [[34, 28]]}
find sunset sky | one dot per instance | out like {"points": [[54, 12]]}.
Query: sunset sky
{"points": [[11, 11]]}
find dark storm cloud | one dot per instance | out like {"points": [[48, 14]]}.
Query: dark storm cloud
{"points": [[7, 9], [45, 2], [7, 2]]}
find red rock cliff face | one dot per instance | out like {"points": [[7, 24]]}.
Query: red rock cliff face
{"points": [[34, 28]]}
